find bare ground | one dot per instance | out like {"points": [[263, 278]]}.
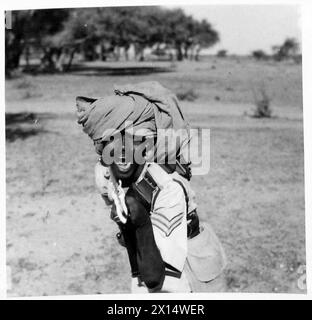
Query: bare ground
{"points": [[60, 239]]}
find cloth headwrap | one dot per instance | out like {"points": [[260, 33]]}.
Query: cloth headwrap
{"points": [[109, 115], [146, 105]]}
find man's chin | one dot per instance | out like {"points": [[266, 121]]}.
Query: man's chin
{"points": [[124, 172], [123, 167]]}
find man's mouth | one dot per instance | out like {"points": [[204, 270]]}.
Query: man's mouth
{"points": [[123, 167]]}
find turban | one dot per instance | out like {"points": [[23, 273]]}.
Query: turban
{"points": [[144, 107]]}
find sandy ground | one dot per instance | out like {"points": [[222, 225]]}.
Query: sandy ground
{"points": [[60, 239]]}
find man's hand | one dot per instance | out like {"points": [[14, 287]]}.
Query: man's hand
{"points": [[113, 214], [102, 182]]}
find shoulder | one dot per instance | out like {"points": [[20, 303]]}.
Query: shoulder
{"points": [[172, 192]]}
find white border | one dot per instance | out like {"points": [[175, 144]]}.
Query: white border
{"points": [[307, 113], [306, 9], [37, 4]]}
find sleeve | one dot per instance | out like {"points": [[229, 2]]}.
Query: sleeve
{"points": [[150, 264], [168, 218]]}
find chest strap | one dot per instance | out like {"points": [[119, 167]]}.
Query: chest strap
{"points": [[147, 190]]}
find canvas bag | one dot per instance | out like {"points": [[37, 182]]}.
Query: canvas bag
{"points": [[206, 257]]}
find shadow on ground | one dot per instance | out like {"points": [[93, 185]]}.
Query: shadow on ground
{"points": [[84, 70], [104, 70], [23, 125]]}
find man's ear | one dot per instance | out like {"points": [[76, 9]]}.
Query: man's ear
{"points": [[83, 103]]}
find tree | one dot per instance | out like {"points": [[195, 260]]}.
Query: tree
{"points": [[95, 32], [288, 49], [15, 39], [113, 28], [184, 32], [30, 27]]}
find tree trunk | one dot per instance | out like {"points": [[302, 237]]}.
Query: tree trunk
{"points": [[27, 55], [103, 53], [179, 53], [139, 52], [142, 58], [47, 62], [71, 58], [197, 51], [126, 48], [186, 51], [13, 52], [117, 53]]}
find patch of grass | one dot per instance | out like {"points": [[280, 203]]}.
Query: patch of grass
{"points": [[24, 83], [31, 94], [187, 94], [24, 263], [75, 288], [29, 214], [27, 88]]}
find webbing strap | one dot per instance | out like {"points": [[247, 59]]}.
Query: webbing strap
{"points": [[185, 193]]}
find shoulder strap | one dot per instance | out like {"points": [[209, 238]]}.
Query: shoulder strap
{"points": [[185, 193]]}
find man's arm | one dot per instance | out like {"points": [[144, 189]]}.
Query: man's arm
{"points": [[102, 182], [168, 218], [127, 231], [150, 263], [137, 233]]}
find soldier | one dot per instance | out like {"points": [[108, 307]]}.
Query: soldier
{"points": [[169, 251]]}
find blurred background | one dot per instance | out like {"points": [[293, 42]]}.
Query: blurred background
{"points": [[235, 69], [52, 40]]}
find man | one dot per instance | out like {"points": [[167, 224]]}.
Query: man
{"points": [[168, 250]]}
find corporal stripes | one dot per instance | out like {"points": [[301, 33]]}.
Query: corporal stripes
{"points": [[168, 217], [164, 224]]}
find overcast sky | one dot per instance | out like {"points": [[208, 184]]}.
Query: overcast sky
{"points": [[244, 28]]}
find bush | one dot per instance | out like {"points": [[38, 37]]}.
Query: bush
{"points": [[263, 105], [297, 59], [288, 49], [222, 53], [259, 55]]}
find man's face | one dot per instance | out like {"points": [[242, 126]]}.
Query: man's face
{"points": [[120, 154]]}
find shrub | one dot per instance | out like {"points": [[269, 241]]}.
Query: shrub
{"points": [[188, 95], [259, 55], [222, 53], [297, 59], [263, 104]]}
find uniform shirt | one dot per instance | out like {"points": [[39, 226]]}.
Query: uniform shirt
{"points": [[168, 218]]}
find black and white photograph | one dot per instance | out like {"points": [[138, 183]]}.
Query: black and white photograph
{"points": [[154, 149]]}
